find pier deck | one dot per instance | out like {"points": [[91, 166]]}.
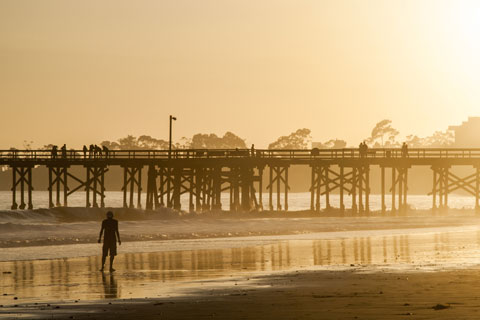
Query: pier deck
{"points": [[204, 174]]}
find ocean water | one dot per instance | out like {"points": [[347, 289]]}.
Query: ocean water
{"points": [[296, 201], [78, 226]]}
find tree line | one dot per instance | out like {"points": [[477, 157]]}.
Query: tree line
{"points": [[199, 141], [383, 135]]}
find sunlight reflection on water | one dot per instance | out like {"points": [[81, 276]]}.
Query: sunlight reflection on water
{"points": [[296, 201], [171, 272]]}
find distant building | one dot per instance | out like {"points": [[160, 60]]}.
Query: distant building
{"points": [[467, 135]]}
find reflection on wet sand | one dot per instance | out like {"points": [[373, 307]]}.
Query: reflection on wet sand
{"points": [[146, 274], [110, 286]]}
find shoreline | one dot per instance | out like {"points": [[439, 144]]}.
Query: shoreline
{"points": [[190, 244], [157, 226]]}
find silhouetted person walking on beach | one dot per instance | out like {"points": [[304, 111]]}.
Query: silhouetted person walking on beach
{"points": [[110, 226]]}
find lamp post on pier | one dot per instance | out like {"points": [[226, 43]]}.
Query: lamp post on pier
{"points": [[172, 118]]}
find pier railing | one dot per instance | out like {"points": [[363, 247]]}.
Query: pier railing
{"points": [[298, 154]]}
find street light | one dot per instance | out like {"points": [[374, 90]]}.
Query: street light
{"points": [[170, 137]]}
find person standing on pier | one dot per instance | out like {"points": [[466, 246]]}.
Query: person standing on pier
{"points": [[362, 149], [91, 151], [98, 151], [105, 151], [110, 226], [54, 152], [85, 149], [404, 150], [64, 151]]}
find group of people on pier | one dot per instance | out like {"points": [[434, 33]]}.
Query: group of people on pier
{"points": [[91, 152], [94, 152], [363, 149], [63, 151]]}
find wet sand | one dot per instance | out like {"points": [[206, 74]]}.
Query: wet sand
{"points": [[382, 274], [302, 295]]}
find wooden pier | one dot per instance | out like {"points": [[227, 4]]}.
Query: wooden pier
{"points": [[203, 175]]}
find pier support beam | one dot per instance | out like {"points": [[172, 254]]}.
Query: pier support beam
{"points": [[383, 189], [152, 193], [342, 187], [325, 180], [198, 189], [164, 188], [445, 182], [278, 177], [246, 180], [319, 179], [95, 183], [216, 188], [363, 186], [440, 188], [235, 189], [177, 188], [260, 188], [399, 188], [477, 189], [58, 180], [132, 176], [22, 177]]}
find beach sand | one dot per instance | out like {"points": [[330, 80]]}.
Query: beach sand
{"points": [[405, 267]]}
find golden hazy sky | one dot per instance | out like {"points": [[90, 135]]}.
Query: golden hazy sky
{"points": [[85, 71]]}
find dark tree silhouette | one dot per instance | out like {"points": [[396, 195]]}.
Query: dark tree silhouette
{"points": [[212, 141], [111, 145], [201, 141], [149, 143], [299, 139], [331, 144], [48, 147], [128, 143], [383, 135], [438, 139]]}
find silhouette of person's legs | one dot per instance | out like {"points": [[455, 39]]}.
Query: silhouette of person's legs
{"points": [[108, 249], [104, 257], [111, 262]]}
